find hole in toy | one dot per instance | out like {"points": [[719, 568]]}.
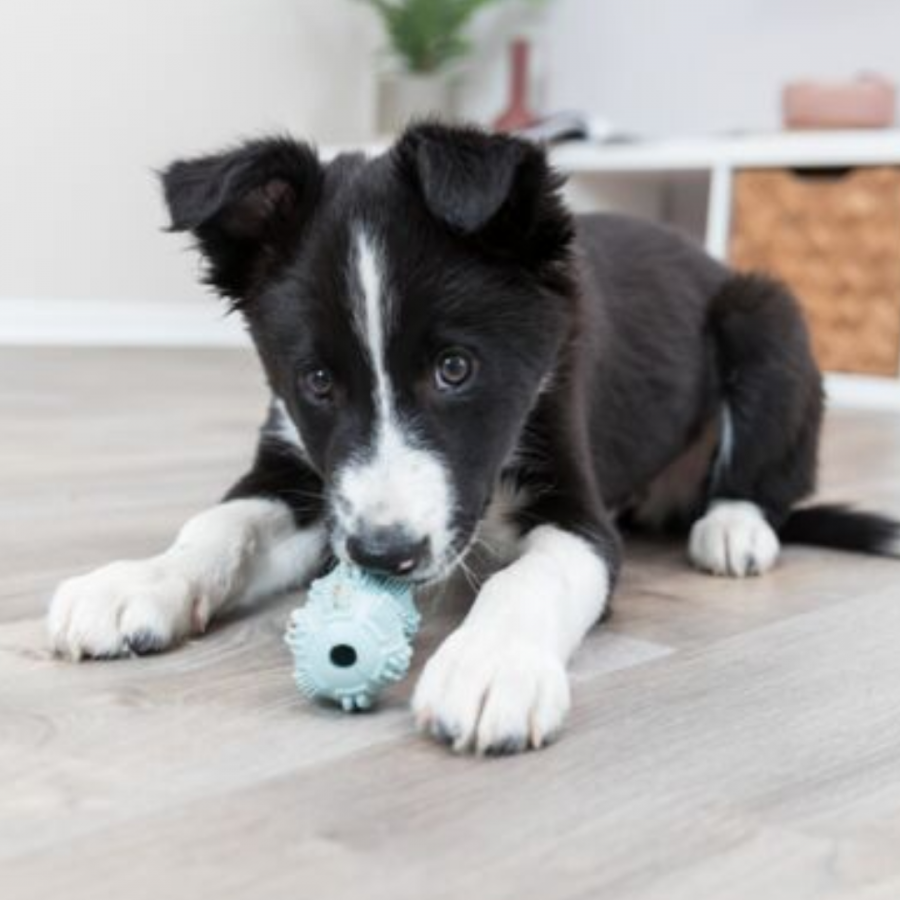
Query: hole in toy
{"points": [[343, 656]]}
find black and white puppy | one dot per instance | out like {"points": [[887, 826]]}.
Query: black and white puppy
{"points": [[456, 360]]}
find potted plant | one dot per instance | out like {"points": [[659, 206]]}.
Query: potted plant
{"points": [[426, 38]]}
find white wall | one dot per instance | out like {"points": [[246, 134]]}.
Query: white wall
{"points": [[658, 66], [96, 93]]}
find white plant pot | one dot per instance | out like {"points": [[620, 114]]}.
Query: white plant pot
{"points": [[403, 96]]}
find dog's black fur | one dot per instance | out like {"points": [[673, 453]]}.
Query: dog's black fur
{"points": [[606, 345]]}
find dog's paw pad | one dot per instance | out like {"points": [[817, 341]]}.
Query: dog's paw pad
{"points": [[734, 539], [145, 643]]}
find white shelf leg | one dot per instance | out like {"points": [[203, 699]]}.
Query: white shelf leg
{"points": [[718, 217]]}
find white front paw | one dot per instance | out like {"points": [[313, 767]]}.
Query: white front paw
{"points": [[125, 608], [734, 538], [492, 693]]}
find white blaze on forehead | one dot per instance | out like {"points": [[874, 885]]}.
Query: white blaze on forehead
{"points": [[392, 481], [373, 320]]}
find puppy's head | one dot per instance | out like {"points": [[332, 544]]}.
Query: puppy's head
{"points": [[407, 309]]}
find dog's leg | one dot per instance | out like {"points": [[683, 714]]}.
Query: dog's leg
{"points": [[498, 684], [772, 408], [240, 550], [265, 538]]}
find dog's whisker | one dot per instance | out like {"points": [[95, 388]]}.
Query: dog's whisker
{"points": [[306, 495], [470, 575]]}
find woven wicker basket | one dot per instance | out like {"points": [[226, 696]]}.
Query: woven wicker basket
{"points": [[834, 237]]}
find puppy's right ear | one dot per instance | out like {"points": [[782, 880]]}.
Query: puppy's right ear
{"points": [[246, 209]]}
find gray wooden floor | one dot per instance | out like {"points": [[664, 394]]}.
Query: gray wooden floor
{"points": [[728, 739]]}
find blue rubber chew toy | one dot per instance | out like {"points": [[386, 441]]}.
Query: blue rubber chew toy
{"points": [[353, 637]]}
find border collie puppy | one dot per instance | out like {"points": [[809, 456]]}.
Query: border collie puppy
{"points": [[455, 359]]}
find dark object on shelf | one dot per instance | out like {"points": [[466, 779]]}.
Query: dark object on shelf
{"points": [[575, 127], [557, 128], [517, 115], [869, 101]]}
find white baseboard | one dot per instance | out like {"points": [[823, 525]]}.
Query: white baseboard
{"points": [[862, 392], [109, 323], [129, 323]]}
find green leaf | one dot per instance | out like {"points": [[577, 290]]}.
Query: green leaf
{"points": [[428, 34]]}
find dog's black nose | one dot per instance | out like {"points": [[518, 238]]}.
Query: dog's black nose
{"points": [[388, 551]]}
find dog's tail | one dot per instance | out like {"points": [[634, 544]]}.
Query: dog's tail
{"points": [[843, 528]]}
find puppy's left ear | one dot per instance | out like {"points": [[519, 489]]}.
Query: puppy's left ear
{"points": [[246, 207], [496, 189]]}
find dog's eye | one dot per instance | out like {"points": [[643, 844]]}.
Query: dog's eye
{"points": [[319, 383], [453, 369]]}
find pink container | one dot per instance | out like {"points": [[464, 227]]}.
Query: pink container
{"points": [[867, 102]]}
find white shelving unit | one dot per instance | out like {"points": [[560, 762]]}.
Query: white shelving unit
{"points": [[688, 182]]}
